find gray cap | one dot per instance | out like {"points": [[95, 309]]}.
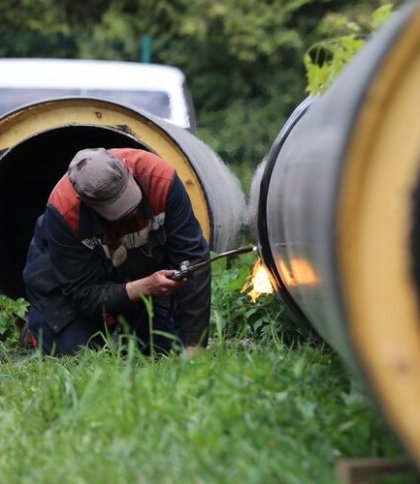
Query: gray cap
{"points": [[104, 183]]}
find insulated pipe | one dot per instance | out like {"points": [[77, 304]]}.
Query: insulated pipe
{"points": [[38, 141], [339, 219]]}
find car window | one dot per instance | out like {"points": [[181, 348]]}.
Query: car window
{"points": [[11, 98], [155, 102]]}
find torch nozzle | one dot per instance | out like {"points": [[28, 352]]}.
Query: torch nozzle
{"points": [[187, 269]]}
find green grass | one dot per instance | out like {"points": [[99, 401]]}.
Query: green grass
{"points": [[264, 414], [266, 403]]}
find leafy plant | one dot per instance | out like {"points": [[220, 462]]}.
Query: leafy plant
{"points": [[325, 60], [11, 311], [234, 316]]}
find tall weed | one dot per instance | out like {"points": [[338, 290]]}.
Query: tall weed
{"points": [[12, 314], [235, 316]]}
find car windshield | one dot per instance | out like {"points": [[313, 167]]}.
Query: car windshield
{"points": [[155, 102]]}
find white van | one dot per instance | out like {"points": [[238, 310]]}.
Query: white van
{"points": [[158, 89]]}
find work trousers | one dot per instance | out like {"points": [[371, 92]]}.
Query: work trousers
{"points": [[90, 332]]}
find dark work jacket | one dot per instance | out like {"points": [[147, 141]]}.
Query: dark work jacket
{"points": [[78, 263]]}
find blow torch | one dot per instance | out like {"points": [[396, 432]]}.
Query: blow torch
{"points": [[186, 268]]}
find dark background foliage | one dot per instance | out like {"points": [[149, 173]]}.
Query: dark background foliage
{"points": [[243, 58]]}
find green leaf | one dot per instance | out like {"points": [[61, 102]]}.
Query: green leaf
{"points": [[306, 408], [381, 15], [299, 367], [4, 322]]}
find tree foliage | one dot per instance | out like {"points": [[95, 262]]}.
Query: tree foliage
{"points": [[243, 58], [326, 59]]}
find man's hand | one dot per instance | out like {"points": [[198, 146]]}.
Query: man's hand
{"points": [[157, 284]]}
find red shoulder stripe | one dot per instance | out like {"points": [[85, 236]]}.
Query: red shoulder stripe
{"points": [[66, 201]]}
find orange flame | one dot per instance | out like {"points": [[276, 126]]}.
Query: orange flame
{"points": [[301, 273], [258, 282]]}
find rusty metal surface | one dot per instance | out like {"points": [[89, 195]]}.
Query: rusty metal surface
{"points": [[377, 471]]}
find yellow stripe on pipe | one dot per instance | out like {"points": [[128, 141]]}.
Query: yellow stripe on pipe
{"points": [[374, 224], [49, 115]]}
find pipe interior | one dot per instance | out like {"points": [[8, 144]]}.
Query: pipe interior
{"points": [[28, 172]]}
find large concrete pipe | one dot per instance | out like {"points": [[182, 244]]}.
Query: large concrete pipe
{"points": [[38, 141], [339, 218]]}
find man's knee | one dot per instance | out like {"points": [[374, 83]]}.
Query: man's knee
{"points": [[76, 335]]}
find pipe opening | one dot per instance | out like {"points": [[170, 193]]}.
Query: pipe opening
{"points": [[28, 173]]}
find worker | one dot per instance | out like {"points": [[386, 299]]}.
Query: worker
{"points": [[115, 227]]}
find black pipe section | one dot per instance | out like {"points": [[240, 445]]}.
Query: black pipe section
{"points": [[319, 165], [299, 191], [262, 227]]}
